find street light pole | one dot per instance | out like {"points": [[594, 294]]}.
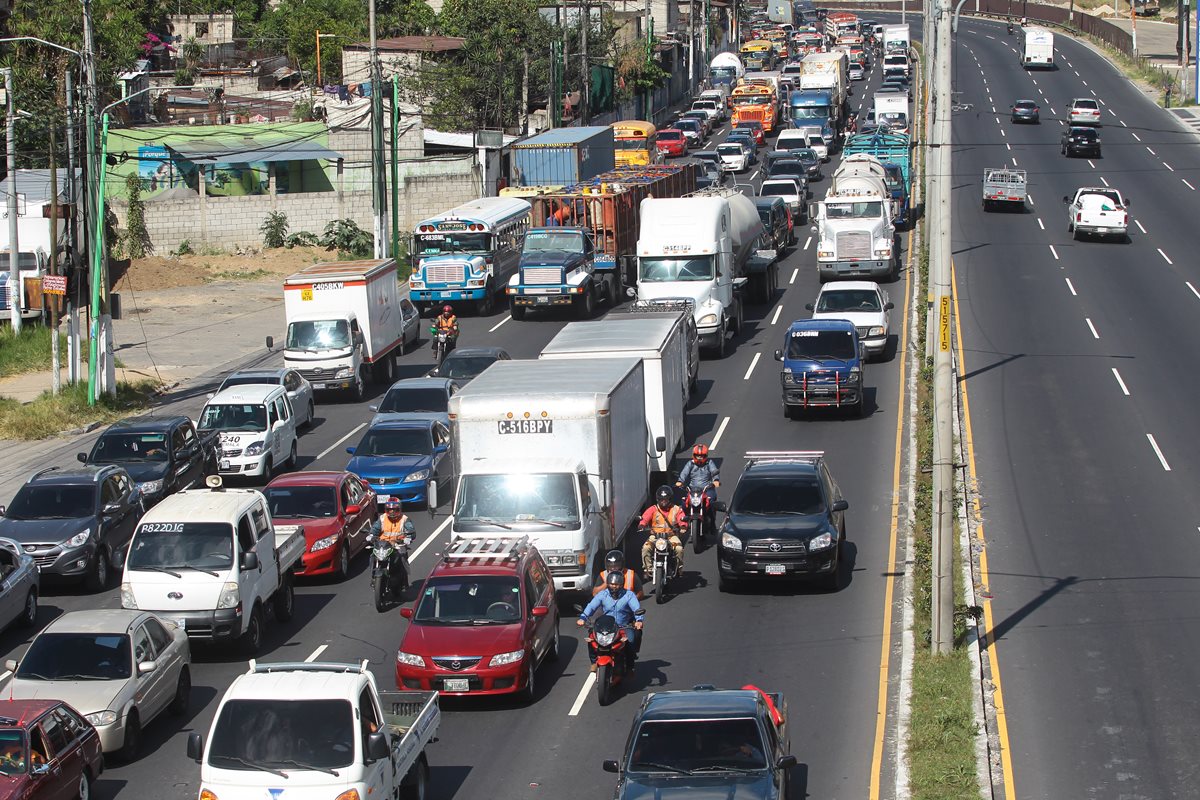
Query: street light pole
{"points": [[14, 252]]}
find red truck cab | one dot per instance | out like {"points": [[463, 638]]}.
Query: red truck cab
{"points": [[336, 509]]}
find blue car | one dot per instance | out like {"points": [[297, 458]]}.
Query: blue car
{"points": [[822, 367], [406, 459]]}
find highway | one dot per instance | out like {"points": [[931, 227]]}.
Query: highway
{"points": [[1081, 395], [823, 650]]}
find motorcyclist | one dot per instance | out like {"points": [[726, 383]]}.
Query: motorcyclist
{"points": [[448, 322], [394, 525], [614, 561], [702, 475], [662, 517], [624, 607], [1010, 25]]}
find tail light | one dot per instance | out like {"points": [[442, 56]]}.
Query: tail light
{"points": [[1078, 217]]}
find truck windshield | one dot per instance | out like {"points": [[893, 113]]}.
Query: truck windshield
{"points": [[864, 210], [486, 502], [684, 268], [131, 447], [395, 442], [722, 75], [479, 599], [697, 745], [553, 242], [323, 334], [436, 244], [182, 545], [791, 495], [283, 734], [805, 113], [821, 345], [301, 502], [848, 300], [233, 417]]}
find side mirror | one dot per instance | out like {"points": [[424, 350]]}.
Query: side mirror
{"points": [[630, 291], [406, 612], [353, 509], [146, 667], [808, 306], [248, 562], [195, 747], [373, 408], [270, 342], [1066, 199], [350, 450], [210, 395], [779, 355], [539, 611], [441, 448], [785, 762], [111, 508], [40, 769], [10, 664], [432, 496], [840, 505], [888, 306], [660, 444], [721, 506], [1128, 202], [82, 457], [377, 746], [611, 765]]}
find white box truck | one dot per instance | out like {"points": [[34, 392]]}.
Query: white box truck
{"points": [[661, 344], [558, 451], [1037, 48], [896, 39], [344, 324]]}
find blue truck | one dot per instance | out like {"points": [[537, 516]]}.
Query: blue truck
{"points": [[823, 362], [894, 151]]}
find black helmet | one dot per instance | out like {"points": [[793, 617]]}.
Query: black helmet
{"points": [[615, 582], [663, 493], [614, 561]]}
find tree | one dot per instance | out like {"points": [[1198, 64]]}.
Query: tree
{"points": [[291, 27]]}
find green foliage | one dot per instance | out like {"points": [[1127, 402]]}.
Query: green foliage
{"points": [[638, 72], [302, 111], [185, 248], [274, 229], [346, 237], [136, 240], [301, 239], [50, 415]]}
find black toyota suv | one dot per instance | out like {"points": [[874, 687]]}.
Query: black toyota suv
{"points": [[1080, 141], [786, 521]]}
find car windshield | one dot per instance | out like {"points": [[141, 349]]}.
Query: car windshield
{"points": [[53, 501], [664, 136], [864, 210], [697, 745], [301, 502], [181, 545], [284, 734], [821, 345], [412, 400], [323, 334], [848, 300], [135, 447], [448, 243], [794, 494], [683, 268], [77, 657], [472, 600], [497, 502], [13, 756], [731, 150], [463, 366], [395, 442], [233, 417]]}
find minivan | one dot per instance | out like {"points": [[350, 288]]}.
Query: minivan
{"points": [[257, 428]]}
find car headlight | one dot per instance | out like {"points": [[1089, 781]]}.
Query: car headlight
{"points": [[324, 544], [127, 598], [230, 596], [101, 717], [506, 658], [708, 319], [875, 330], [730, 542], [151, 487], [344, 372], [409, 659], [606, 639], [78, 540], [822, 542], [419, 475], [254, 449]]}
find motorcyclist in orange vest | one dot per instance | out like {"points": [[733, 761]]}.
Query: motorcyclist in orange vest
{"points": [[614, 561], [448, 322], [394, 525], [664, 516]]}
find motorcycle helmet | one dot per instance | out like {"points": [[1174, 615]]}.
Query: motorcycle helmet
{"points": [[447, 309], [615, 582], [663, 494], [614, 561], [700, 454], [392, 506]]}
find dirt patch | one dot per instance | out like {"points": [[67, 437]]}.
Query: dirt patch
{"points": [[173, 272]]}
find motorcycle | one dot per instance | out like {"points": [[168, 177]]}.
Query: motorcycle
{"points": [[441, 344], [665, 566], [1010, 29], [607, 640], [389, 571], [698, 519]]}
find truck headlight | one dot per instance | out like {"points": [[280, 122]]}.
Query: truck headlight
{"points": [[151, 487], [824, 254], [822, 542], [506, 658], [876, 330], [127, 598], [255, 449], [476, 281], [855, 374], [230, 596], [883, 251], [730, 542], [416, 283], [99, 718], [324, 544], [708, 319], [78, 540], [419, 475], [409, 659], [344, 372]]}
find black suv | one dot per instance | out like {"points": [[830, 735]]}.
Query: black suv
{"points": [[76, 523], [786, 521], [163, 455], [1079, 141]]}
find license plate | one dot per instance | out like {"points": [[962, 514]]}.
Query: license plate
{"points": [[306, 294], [776, 569], [224, 465], [541, 301], [457, 685], [382, 498], [1101, 230], [318, 386]]}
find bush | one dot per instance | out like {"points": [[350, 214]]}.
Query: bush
{"points": [[274, 229], [137, 238], [302, 239], [346, 237], [185, 248]]}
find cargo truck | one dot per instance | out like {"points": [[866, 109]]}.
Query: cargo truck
{"points": [[662, 345], [828, 72], [558, 451], [576, 254], [893, 151], [1037, 48], [344, 324], [725, 70], [855, 233], [896, 39], [563, 156]]}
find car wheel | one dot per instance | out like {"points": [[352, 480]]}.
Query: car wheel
{"points": [[133, 738], [284, 604], [29, 615], [251, 640], [529, 693], [291, 462], [183, 693], [312, 413], [268, 470], [552, 653], [85, 786], [343, 561], [97, 578]]}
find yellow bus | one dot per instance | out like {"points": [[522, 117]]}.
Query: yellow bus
{"points": [[635, 142], [759, 54], [756, 102]]}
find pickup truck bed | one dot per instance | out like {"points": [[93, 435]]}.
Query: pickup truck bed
{"points": [[413, 718], [289, 545], [1005, 186]]}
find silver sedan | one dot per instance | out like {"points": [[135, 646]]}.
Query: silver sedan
{"points": [[20, 585]]}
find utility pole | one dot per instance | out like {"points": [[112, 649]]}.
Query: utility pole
{"points": [[585, 96], [14, 251], [378, 191], [691, 49], [72, 237], [55, 377]]}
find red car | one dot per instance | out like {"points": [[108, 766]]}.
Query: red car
{"points": [[484, 621], [754, 129], [47, 751], [336, 509], [672, 142]]}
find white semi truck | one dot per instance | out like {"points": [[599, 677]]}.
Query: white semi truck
{"points": [[556, 450], [855, 233]]}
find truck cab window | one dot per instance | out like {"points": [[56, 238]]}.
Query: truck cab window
{"points": [[246, 540]]}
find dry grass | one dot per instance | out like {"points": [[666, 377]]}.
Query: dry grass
{"points": [[49, 415]]}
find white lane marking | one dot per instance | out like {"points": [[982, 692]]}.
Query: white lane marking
{"points": [[755, 175], [1028, 197], [1151, 151], [583, 693], [1052, 111], [1193, 288], [807, 242], [1093, 91], [1117, 375], [1076, 72], [988, 35], [1123, 122], [720, 433], [1054, 252], [753, 364], [1015, 163], [1164, 255], [433, 537], [1034, 81], [1103, 103], [334, 446], [775, 316], [1134, 135], [1009, 146], [1185, 183], [1104, 181], [1161, 458], [1040, 225], [316, 653], [1092, 328], [1090, 164], [997, 120], [795, 272], [1060, 122], [994, 109], [1002, 133], [1071, 286], [498, 324], [1139, 224]]}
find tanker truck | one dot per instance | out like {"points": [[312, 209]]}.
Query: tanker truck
{"points": [[855, 233], [725, 69]]}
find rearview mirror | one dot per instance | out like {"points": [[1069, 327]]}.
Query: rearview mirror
{"points": [[611, 765], [373, 408], [1066, 199], [82, 457], [888, 306], [406, 612], [10, 664], [808, 306], [350, 450], [353, 509], [785, 762], [432, 498], [631, 292], [248, 562], [195, 747], [779, 355], [660, 444], [721, 506], [112, 508], [270, 342], [840, 505]]}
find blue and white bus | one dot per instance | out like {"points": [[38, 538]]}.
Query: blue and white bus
{"points": [[468, 253]]}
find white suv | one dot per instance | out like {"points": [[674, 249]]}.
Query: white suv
{"points": [[865, 304], [1084, 111], [257, 427]]}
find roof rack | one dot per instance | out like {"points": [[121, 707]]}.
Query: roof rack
{"points": [[306, 666], [784, 456], [486, 547]]}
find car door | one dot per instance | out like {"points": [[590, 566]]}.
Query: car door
{"points": [[52, 760], [542, 595], [410, 322], [182, 462], [358, 525], [287, 413], [443, 463], [248, 579], [131, 512], [73, 757], [194, 476], [147, 686], [168, 657]]}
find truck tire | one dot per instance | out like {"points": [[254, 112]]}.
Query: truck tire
{"points": [[382, 371], [251, 640], [586, 305], [358, 390], [416, 783], [517, 312], [487, 305], [284, 603], [720, 348]]}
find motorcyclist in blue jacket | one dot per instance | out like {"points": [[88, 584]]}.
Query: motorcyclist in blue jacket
{"points": [[624, 607], [702, 475]]}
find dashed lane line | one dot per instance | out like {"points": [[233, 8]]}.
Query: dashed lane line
{"points": [[1161, 458], [433, 537], [1139, 224], [583, 693], [807, 242], [1040, 225], [1185, 183], [316, 654], [792, 279], [1103, 181], [775, 316], [1092, 328], [720, 432], [753, 364], [1121, 383], [1134, 135], [1151, 152], [336, 444], [498, 324], [1193, 288], [1054, 252], [1165, 257], [1168, 166]]}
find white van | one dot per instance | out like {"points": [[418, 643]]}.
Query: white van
{"points": [[257, 427], [815, 140], [791, 138]]}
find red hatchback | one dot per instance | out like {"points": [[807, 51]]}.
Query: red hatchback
{"points": [[484, 620], [47, 751], [672, 142], [336, 509]]}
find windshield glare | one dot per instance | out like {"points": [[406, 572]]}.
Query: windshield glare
{"points": [[688, 745], [231, 417], [324, 334], [182, 545], [436, 244], [514, 499], [77, 656], [792, 495], [730, 150], [821, 345], [810, 112], [131, 447], [287, 734], [12, 751], [684, 268], [454, 601], [415, 400], [464, 367], [296, 502], [849, 300], [53, 502], [395, 442], [864, 210], [558, 241]]}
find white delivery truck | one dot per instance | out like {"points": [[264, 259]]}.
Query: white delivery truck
{"points": [[661, 344], [344, 324], [558, 451], [211, 560], [896, 39], [316, 730], [855, 233], [1037, 48]]}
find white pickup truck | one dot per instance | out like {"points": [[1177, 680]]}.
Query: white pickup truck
{"points": [[309, 730], [1098, 211], [211, 561]]}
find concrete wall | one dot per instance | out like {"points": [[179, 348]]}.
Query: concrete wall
{"points": [[427, 187], [356, 65]]}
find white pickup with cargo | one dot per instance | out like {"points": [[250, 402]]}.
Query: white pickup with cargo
{"points": [[345, 324], [662, 346], [558, 451], [319, 730], [211, 560], [1098, 211]]}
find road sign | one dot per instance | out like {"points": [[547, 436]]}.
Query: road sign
{"points": [[54, 284], [944, 325]]}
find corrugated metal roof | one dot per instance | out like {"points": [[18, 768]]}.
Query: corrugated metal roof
{"points": [[251, 152], [558, 136]]}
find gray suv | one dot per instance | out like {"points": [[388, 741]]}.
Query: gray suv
{"points": [[76, 523]]}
